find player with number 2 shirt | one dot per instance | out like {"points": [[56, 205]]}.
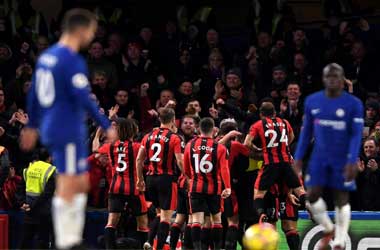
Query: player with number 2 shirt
{"points": [[163, 149], [275, 135]]}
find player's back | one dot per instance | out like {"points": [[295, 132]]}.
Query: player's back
{"points": [[161, 145], [236, 149], [332, 120], [273, 134], [60, 117], [206, 159], [123, 156]]}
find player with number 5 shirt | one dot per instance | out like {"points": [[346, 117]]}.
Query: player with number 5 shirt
{"points": [[122, 154], [275, 135]]}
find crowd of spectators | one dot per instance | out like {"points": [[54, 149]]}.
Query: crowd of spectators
{"points": [[195, 72]]}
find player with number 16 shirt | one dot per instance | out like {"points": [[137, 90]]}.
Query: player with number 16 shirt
{"points": [[206, 165], [206, 161]]}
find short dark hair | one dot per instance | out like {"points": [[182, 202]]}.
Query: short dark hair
{"points": [[41, 154], [188, 116], [166, 115], [121, 89], [206, 125], [76, 18], [267, 109], [294, 83], [100, 73], [266, 99], [126, 128], [227, 126]]}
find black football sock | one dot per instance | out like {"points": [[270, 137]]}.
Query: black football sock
{"points": [[293, 239], [231, 237], [206, 240], [175, 231], [110, 237], [302, 201], [153, 227], [217, 236], [142, 234], [162, 234], [187, 241], [259, 206], [196, 236]]}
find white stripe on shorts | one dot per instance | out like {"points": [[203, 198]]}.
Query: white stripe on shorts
{"points": [[70, 158]]}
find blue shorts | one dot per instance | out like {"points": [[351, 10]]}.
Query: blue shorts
{"points": [[326, 174], [70, 158]]}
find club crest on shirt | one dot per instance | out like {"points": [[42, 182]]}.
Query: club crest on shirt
{"points": [[340, 112]]}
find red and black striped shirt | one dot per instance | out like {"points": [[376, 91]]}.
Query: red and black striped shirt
{"points": [[206, 164], [122, 155], [160, 146], [273, 133], [236, 149]]}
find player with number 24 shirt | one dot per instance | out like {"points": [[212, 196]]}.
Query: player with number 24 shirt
{"points": [[275, 135]]}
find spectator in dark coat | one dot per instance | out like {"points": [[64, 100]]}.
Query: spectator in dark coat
{"points": [[368, 179]]}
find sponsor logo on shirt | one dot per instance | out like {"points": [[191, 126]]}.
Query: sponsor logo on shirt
{"points": [[334, 124]]}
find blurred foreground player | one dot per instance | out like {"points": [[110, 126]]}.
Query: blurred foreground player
{"points": [[335, 119], [206, 165], [57, 105]]}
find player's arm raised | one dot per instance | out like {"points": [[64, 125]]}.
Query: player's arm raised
{"points": [[228, 137], [249, 139], [29, 134], [141, 156], [80, 89], [305, 137], [225, 172]]}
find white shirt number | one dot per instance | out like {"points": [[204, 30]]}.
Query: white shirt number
{"points": [[203, 165], [122, 162], [272, 143], [45, 87], [156, 147]]}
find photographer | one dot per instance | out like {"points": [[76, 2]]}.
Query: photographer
{"points": [[368, 179]]}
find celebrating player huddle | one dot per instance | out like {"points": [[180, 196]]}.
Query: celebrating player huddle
{"points": [[203, 174], [202, 181]]}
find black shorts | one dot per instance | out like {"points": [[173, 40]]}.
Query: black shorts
{"points": [[276, 173], [207, 203], [183, 201], [137, 203], [162, 190], [230, 205]]}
